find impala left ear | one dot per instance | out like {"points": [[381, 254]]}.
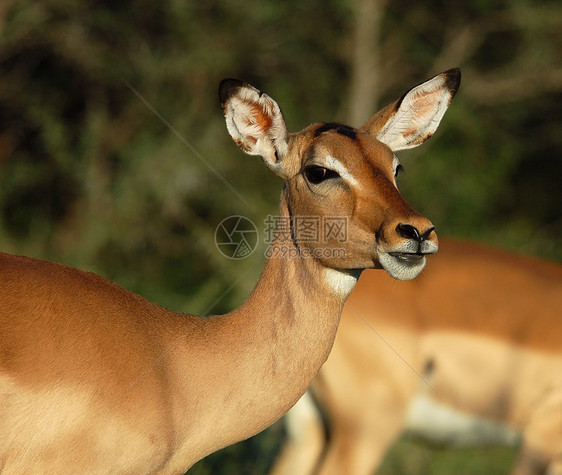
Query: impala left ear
{"points": [[255, 122], [412, 119]]}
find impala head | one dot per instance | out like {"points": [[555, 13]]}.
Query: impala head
{"points": [[332, 170]]}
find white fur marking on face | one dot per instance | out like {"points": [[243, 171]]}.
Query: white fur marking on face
{"points": [[341, 282], [335, 165]]}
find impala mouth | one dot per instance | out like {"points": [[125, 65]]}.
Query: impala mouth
{"points": [[407, 260], [402, 265], [408, 256]]}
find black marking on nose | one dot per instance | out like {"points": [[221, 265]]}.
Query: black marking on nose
{"points": [[427, 233], [339, 128], [411, 232]]}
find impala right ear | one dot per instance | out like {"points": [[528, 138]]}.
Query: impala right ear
{"points": [[412, 119], [255, 122]]}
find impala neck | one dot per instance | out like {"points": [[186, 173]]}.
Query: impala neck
{"points": [[260, 358], [295, 310]]}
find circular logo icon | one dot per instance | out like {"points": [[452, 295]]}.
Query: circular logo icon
{"points": [[236, 237]]}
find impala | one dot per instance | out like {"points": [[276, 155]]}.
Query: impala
{"points": [[482, 332], [94, 378]]}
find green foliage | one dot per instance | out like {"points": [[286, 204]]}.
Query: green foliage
{"points": [[92, 176], [412, 457], [256, 455]]}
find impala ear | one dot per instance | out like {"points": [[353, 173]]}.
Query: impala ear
{"points": [[255, 122], [412, 119]]}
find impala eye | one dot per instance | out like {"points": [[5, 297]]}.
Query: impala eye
{"points": [[398, 169], [315, 174]]}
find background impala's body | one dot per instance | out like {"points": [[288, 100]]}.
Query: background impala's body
{"points": [[94, 378], [482, 327]]}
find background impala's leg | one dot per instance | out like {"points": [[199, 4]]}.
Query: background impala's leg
{"points": [[301, 452], [541, 451], [555, 467], [529, 463], [360, 436]]}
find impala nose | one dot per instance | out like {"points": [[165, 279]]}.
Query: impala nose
{"points": [[411, 232]]}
